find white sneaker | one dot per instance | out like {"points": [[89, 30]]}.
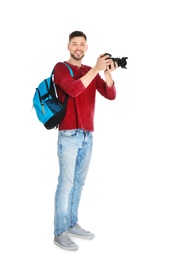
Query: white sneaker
{"points": [[80, 232], [65, 242]]}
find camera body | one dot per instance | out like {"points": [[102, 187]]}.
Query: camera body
{"points": [[122, 62]]}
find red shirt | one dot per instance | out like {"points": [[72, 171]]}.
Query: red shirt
{"points": [[81, 101]]}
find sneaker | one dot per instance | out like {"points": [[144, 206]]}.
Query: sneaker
{"points": [[65, 242], [80, 232]]}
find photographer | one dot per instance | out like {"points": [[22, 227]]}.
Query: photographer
{"points": [[75, 137]]}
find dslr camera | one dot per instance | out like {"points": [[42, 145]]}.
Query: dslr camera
{"points": [[122, 62]]}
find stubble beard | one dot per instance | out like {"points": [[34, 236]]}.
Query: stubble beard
{"points": [[76, 58]]}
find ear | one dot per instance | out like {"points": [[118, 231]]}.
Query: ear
{"points": [[68, 47]]}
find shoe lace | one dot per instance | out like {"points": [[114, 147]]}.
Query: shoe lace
{"points": [[80, 228], [66, 237]]}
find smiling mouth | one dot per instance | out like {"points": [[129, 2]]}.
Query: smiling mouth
{"points": [[77, 55]]}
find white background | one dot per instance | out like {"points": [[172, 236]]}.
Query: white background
{"points": [[128, 197]]}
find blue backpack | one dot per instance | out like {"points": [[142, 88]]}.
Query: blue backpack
{"points": [[49, 109]]}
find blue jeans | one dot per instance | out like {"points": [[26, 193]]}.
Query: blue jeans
{"points": [[74, 153]]}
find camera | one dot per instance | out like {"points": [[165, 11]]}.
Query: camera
{"points": [[122, 62]]}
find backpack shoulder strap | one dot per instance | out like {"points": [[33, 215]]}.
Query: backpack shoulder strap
{"points": [[53, 84], [72, 74], [70, 69]]}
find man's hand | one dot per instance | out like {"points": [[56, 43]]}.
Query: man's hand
{"points": [[111, 67], [103, 63]]}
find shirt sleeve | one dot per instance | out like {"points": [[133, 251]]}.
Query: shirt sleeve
{"points": [[69, 84], [104, 90]]}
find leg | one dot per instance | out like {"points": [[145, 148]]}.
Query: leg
{"points": [[67, 152], [81, 170]]}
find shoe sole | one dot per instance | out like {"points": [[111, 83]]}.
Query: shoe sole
{"points": [[80, 236], [66, 248]]}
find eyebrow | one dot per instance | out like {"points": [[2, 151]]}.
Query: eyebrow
{"points": [[77, 42]]}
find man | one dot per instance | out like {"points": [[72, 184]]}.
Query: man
{"points": [[75, 134]]}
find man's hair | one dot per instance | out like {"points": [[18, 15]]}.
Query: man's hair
{"points": [[77, 34]]}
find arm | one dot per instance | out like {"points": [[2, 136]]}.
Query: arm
{"points": [[109, 81], [108, 90]]}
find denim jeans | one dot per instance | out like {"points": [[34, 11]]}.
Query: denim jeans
{"points": [[74, 153]]}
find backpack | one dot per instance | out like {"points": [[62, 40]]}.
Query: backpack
{"points": [[49, 109]]}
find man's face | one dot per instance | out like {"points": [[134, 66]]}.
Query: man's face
{"points": [[77, 47]]}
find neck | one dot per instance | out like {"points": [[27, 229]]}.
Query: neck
{"points": [[75, 62]]}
